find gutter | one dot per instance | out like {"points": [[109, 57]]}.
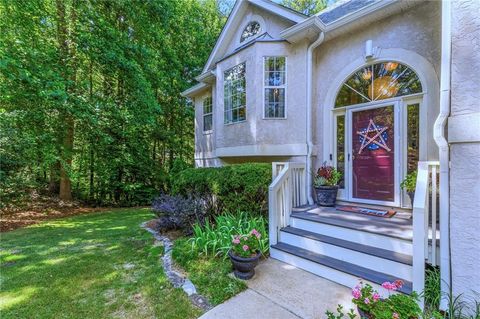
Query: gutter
{"points": [[444, 154], [309, 126]]}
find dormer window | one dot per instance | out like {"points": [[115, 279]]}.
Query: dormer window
{"points": [[251, 30]]}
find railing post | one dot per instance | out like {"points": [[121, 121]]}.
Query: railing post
{"points": [[419, 233]]}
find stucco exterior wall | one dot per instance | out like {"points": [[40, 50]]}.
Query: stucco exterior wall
{"points": [[413, 35], [204, 141], [464, 139], [268, 22], [257, 138]]}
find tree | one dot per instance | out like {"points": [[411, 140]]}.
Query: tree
{"points": [[308, 7], [90, 99]]}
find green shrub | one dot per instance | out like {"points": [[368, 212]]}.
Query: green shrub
{"points": [[242, 187], [216, 239]]}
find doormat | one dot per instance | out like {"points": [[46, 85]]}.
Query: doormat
{"points": [[367, 211]]}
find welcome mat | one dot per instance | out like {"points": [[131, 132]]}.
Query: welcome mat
{"points": [[367, 211]]}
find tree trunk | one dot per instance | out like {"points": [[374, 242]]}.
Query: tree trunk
{"points": [[67, 54]]}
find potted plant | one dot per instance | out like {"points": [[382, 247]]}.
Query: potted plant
{"points": [[325, 183], [409, 184], [244, 254], [370, 305]]}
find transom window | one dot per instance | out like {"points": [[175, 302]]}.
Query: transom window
{"points": [[251, 30], [274, 87], [207, 114], [234, 94], [378, 82]]}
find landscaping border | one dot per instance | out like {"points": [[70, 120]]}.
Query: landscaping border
{"points": [[174, 276]]}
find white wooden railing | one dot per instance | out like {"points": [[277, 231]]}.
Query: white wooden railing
{"points": [[424, 221], [287, 190]]}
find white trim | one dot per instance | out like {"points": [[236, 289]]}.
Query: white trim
{"points": [[281, 11], [251, 18], [223, 88], [206, 114], [239, 8], [312, 25], [284, 86], [308, 120], [425, 72], [444, 151], [194, 90], [262, 150]]}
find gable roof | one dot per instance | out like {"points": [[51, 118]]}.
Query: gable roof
{"points": [[236, 15]]}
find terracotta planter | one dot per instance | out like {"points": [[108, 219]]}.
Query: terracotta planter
{"points": [[326, 195], [244, 267]]}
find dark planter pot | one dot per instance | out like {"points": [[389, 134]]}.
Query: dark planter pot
{"points": [[244, 268], [326, 195], [363, 314]]}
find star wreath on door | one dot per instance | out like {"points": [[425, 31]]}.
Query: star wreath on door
{"points": [[376, 141]]}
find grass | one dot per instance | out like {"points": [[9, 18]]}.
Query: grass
{"points": [[100, 265], [209, 274]]}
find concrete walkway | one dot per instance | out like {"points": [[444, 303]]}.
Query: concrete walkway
{"points": [[282, 291]]}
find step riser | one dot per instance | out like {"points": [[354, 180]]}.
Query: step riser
{"points": [[399, 270], [361, 237], [323, 271]]}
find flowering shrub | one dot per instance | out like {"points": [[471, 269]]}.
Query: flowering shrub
{"points": [[215, 239], [246, 245], [395, 306], [327, 176]]}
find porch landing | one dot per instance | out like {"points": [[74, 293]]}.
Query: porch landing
{"points": [[399, 226]]}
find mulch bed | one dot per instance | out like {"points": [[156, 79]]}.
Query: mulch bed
{"points": [[42, 208]]}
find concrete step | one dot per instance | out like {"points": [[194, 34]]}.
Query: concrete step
{"points": [[339, 271]]}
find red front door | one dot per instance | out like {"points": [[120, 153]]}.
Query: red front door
{"points": [[373, 154]]}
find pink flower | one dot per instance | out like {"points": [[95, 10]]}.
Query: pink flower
{"points": [[256, 233], [366, 301], [398, 283], [375, 296], [245, 247], [389, 285], [356, 293], [395, 315], [236, 241]]}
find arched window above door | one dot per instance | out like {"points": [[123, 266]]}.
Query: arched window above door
{"points": [[378, 82]]}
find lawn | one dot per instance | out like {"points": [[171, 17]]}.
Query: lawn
{"points": [[99, 265]]}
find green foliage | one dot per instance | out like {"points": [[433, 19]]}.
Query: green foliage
{"points": [[307, 7], [340, 314], [90, 94], [242, 187], [327, 176], [405, 306], [209, 274], [432, 291], [216, 239], [410, 182], [246, 244]]}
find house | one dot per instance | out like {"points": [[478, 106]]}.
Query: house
{"points": [[376, 89]]}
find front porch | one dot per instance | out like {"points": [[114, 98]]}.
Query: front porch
{"points": [[345, 246]]}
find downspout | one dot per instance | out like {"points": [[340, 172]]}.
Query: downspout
{"points": [[444, 156], [309, 126]]}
